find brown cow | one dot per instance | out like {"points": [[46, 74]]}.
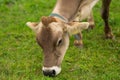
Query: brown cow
{"points": [[53, 32]]}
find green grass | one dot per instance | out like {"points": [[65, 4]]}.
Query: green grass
{"points": [[21, 57]]}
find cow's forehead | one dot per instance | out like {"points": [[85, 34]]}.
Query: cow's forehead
{"points": [[48, 36], [52, 29]]}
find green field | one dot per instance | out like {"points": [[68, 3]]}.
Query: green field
{"points": [[21, 57]]}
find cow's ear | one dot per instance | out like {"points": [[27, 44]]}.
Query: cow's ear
{"points": [[33, 25], [76, 27]]}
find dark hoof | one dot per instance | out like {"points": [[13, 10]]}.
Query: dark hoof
{"points": [[110, 36], [78, 43]]}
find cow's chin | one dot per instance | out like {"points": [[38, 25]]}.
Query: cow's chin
{"points": [[51, 71]]}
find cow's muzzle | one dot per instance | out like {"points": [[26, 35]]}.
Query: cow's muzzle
{"points": [[51, 71]]}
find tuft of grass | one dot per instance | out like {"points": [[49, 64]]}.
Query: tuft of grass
{"points": [[21, 57]]}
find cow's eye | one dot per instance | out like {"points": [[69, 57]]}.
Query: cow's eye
{"points": [[59, 42]]}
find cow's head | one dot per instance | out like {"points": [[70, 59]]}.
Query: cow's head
{"points": [[52, 35]]}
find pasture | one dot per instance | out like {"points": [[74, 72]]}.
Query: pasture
{"points": [[21, 57]]}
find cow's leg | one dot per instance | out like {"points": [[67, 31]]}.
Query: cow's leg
{"points": [[91, 21], [105, 16], [78, 37], [78, 40]]}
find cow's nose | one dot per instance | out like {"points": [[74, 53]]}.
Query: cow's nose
{"points": [[50, 73]]}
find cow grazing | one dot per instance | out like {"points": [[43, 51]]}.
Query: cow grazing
{"points": [[53, 32]]}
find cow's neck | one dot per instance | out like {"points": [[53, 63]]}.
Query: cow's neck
{"points": [[67, 8]]}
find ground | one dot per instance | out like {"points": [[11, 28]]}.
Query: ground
{"points": [[21, 57]]}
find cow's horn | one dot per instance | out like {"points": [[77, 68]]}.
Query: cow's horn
{"points": [[47, 20]]}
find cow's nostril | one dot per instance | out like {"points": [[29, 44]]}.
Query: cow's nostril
{"points": [[53, 72], [45, 73]]}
